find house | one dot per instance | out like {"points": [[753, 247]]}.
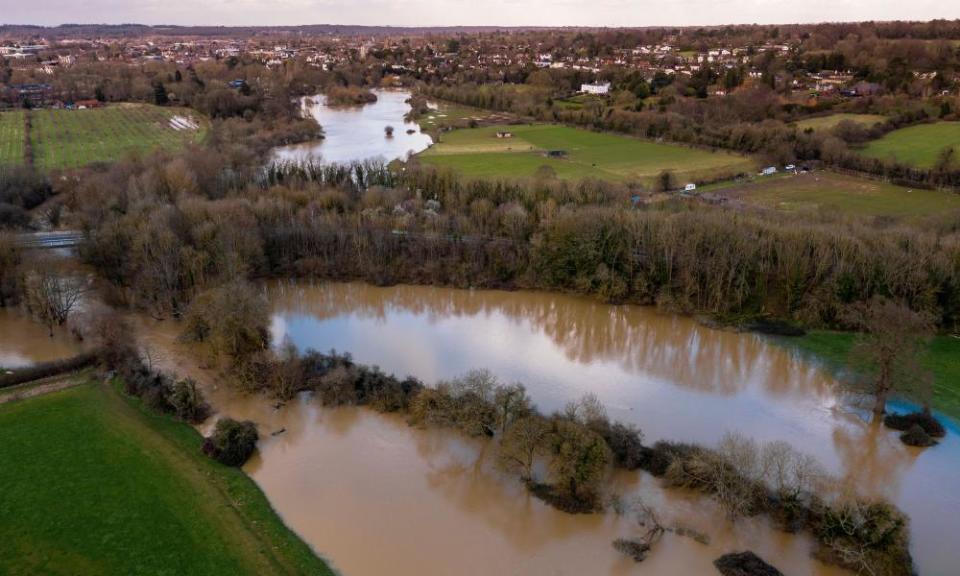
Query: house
{"points": [[597, 88], [690, 187], [769, 171], [503, 134]]}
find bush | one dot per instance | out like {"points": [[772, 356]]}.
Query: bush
{"points": [[633, 548], [232, 442], [917, 436], [744, 564], [187, 402], [904, 422], [870, 537]]}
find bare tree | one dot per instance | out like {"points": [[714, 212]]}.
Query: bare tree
{"points": [[523, 441], [891, 348], [52, 296]]}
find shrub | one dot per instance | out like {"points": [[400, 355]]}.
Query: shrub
{"points": [[917, 436], [232, 442], [905, 422], [187, 402], [744, 564], [871, 537], [633, 548]]}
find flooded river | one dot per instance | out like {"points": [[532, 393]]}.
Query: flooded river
{"points": [[375, 496], [24, 342], [356, 133]]}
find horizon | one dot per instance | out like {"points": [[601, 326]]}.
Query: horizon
{"points": [[509, 13]]}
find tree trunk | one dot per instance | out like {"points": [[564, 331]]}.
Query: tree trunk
{"points": [[880, 404]]}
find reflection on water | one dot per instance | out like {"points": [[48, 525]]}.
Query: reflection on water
{"points": [[356, 133], [24, 342], [377, 496]]}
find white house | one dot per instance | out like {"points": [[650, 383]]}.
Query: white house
{"points": [[596, 88], [690, 187]]}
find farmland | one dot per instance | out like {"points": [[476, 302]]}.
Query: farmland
{"points": [[835, 193], [479, 153], [918, 146], [11, 138], [831, 121], [99, 485], [73, 138]]}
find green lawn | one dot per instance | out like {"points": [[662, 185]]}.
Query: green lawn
{"points": [[91, 483], [828, 122], [918, 146], [11, 138], [943, 360], [73, 138], [835, 193], [479, 153]]}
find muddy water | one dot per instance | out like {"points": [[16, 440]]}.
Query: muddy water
{"points": [[24, 342], [356, 133], [375, 496]]}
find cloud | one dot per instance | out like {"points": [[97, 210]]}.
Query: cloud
{"points": [[469, 12]]}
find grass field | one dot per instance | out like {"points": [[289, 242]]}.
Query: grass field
{"points": [[93, 484], [826, 191], [11, 138], [452, 115], [479, 153], [918, 146], [828, 122], [73, 138], [833, 348]]}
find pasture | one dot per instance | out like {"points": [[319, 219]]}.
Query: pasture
{"points": [[918, 146], [822, 123], [479, 153], [836, 193], [11, 138], [73, 138], [93, 483]]}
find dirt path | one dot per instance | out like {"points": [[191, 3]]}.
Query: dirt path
{"points": [[40, 387]]}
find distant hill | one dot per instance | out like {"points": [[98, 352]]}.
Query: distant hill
{"points": [[140, 30]]}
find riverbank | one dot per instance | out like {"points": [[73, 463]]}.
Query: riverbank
{"points": [[943, 360], [143, 499]]}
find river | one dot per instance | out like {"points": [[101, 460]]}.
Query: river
{"points": [[356, 133], [376, 496]]}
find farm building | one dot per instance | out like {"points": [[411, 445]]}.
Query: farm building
{"points": [[503, 134], [597, 88]]}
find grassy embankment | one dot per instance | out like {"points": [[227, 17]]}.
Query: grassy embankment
{"points": [[478, 153], [943, 359], [74, 138], [918, 146], [840, 194], [831, 121], [93, 483]]}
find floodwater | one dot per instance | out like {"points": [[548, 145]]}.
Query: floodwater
{"points": [[376, 496], [356, 133], [24, 342]]}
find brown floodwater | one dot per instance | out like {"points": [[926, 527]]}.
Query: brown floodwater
{"points": [[376, 496], [24, 342]]}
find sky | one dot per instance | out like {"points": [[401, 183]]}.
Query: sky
{"points": [[469, 12]]}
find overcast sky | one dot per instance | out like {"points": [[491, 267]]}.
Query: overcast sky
{"points": [[469, 12]]}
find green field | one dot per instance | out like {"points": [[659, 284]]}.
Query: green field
{"points": [[943, 360], [835, 193], [93, 484], [450, 115], [478, 153], [918, 146], [11, 138], [73, 138], [828, 122]]}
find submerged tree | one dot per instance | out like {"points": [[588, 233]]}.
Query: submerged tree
{"points": [[891, 348], [52, 296]]}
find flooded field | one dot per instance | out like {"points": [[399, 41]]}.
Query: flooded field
{"points": [[356, 133], [375, 496], [24, 342]]}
